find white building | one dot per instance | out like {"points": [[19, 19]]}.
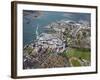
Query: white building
{"points": [[51, 41]]}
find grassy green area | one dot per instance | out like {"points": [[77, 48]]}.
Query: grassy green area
{"points": [[75, 63], [74, 55], [78, 53]]}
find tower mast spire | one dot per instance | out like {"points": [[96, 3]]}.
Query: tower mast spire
{"points": [[37, 34]]}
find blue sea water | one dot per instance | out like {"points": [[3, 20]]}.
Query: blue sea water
{"points": [[31, 20]]}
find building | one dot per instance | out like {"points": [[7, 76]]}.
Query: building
{"points": [[51, 41]]}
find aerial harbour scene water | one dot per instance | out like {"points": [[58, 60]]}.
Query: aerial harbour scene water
{"points": [[56, 39]]}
